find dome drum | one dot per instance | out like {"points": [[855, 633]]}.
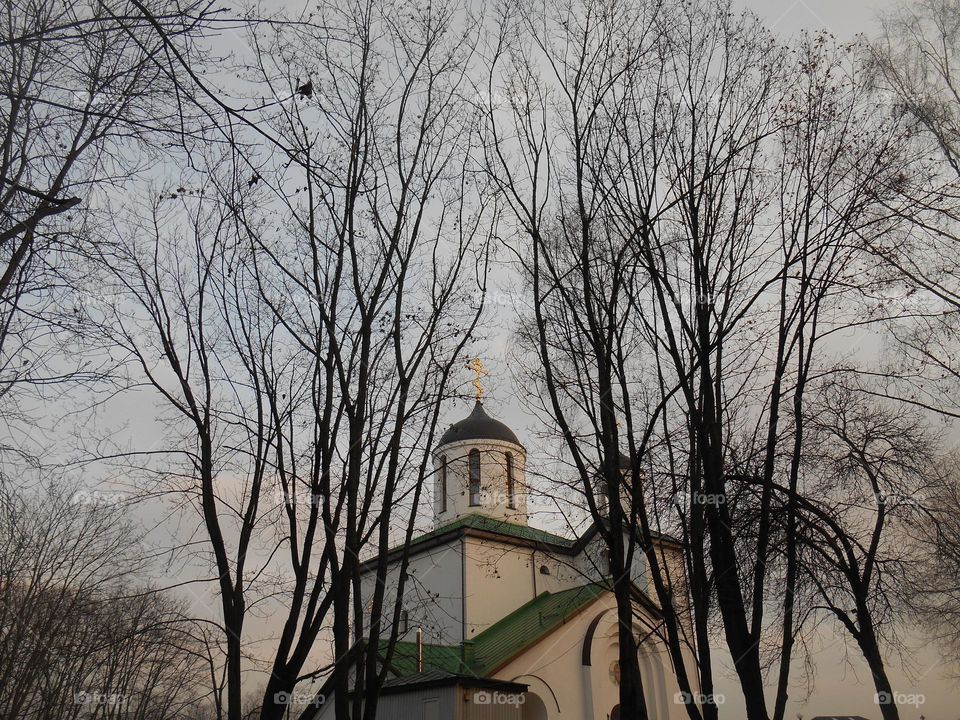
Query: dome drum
{"points": [[479, 467]]}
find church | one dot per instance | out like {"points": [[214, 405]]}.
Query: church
{"points": [[505, 621]]}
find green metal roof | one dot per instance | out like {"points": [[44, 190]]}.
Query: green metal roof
{"points": [[502, 527], [527, 624], [445, 658], [501, 641]]}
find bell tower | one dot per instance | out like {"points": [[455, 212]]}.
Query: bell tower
{"points": [[479, 467]]}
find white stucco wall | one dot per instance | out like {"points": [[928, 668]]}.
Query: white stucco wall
{"points": [[554, 669], [562, 572], [432, 594], [593, 564], [500, 578]]}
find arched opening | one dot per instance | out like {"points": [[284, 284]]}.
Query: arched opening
{"points": [[511, 488], [474, 458], [443, 483], [654, 684], [533, 708], [605, 666], [600, 498]]}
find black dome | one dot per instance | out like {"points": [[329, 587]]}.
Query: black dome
{"points": [[478, 426]]}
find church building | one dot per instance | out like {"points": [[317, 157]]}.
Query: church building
{"points": [[505, 621]]}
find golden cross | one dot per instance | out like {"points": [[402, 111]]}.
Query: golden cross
{"points": [[477, 366]]}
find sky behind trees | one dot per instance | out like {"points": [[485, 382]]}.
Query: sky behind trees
{"points": [[141, 418]]}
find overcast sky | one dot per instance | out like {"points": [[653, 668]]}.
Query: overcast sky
{"points": [[843, 18]]}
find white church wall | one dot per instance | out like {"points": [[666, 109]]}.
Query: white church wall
{"points": [[452, 702], [499, 579], [671, 559], [432, 594], [426, 703], [494, 496], [593, 563], [554, 669], [556, 573]]}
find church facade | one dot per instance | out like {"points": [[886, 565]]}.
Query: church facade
{"points": [[502, 620]]}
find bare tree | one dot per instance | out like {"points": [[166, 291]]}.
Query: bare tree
{"points": [[301, 311], [937, 595], [82, 99], [738, 303], [696, 209], [693, 216], [913, 68], [78, 636], [643, 180], [868, 472], [916, 58], [551, 105], [916, 63]]}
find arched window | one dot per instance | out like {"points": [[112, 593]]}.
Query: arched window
{"points": [[600, 495], [474, 477], [511, 487], [443, 483]]}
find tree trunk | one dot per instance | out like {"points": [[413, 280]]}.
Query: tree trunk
{"points": [[867, 640], [632, 699]]}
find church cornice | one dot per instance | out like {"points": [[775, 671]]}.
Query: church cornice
{"points": [[465, 527], [485, 528]]}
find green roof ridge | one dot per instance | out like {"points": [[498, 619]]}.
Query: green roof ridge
{"points": [[517, 631], [483, 522]]}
